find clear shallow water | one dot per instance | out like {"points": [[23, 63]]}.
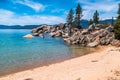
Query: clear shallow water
{"points": [[18, 53]]}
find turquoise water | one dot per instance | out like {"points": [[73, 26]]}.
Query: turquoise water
{"points": [[18, 53]]}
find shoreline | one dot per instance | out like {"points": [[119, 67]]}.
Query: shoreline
{"points": [[75, 49], [84, 67]]}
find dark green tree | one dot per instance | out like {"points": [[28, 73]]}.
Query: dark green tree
{"points": [[117, 25], [90, 21], [96, 17], [112, 22], [70, 17], [118, 10], [78, 15]]}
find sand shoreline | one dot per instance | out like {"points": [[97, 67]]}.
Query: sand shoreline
{"points": [[75, 49], [82, 68]]}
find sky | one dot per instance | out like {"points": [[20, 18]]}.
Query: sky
{"points": [[35, 12]]}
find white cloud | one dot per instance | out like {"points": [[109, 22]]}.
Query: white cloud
{"points": [[34, 5], [10, 18], [106, 8]]}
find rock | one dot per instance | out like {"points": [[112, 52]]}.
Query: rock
{"points": [[110, 29], [58, 33], [82, 39], [98, 25], [95, 33], [93, 44], [85, 31], [52, 34], [91, 27], [97, 28], [65, 35], [40, 31], [34, 30], [41, 35], [103, 33], [103, 41], [36, 34], [67, 41], [61, 26], [115, 43], [28, 36], [53, 29]]}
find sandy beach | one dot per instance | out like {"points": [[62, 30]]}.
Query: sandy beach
{"points": [[101, 65]]}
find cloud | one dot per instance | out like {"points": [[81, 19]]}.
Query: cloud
{"points": [[10, 18], [34, 5], [106, 8]]}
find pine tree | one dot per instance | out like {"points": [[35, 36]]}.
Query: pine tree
{"points": [[117, 25], [96, 17], [70, 17], [78, 15], [90, 22], [112, 22], [119, 9]]}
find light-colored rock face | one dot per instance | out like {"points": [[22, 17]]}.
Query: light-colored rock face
{"points": [[28, 36], [93, 44]]}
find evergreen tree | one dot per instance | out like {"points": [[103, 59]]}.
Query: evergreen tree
{"points": [[96, 17], [117, 25], [112, 22], [90, 22], [70, 17], [119, 9], [78, 15]]}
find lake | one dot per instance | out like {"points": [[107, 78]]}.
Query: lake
{"points": [[18, 53]]}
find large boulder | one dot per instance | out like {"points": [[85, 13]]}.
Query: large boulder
{"points": [[103, 33], [93, 44], [28, 36], [91, 27], [110, 28], [115, 43], [52, 34], [58, 33], [65, 35], [85, 31], [67, 41]]}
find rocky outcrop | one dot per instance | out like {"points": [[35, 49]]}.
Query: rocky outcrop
{"points": [[93, 36]]}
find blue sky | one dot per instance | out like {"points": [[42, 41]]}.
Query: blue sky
{"points": [[28, 12]]}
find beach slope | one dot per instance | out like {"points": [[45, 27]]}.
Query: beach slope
{"points": [[103, 65]]}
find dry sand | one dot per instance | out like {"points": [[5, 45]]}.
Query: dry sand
{"points": [[102, 65]]}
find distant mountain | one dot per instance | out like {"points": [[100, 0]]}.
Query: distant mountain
{"points": [[84, 23], [18, 27], [107, 21]]}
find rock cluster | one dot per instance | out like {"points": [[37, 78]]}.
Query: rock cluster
{"points": [[91, 37]]}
